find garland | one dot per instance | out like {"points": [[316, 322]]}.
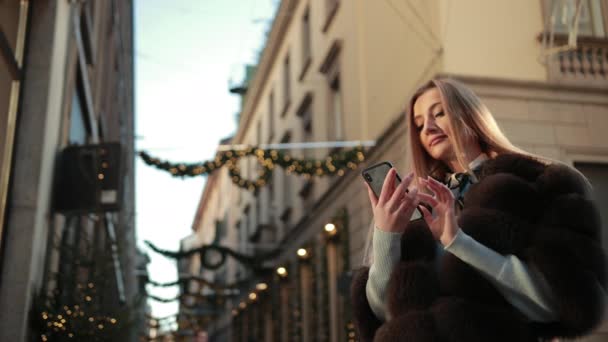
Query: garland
{"points": [[214, 300], [213, 285], [335, 163], [253, 262]]}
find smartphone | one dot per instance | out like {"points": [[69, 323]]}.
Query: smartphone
{"points": [[375, 175]]}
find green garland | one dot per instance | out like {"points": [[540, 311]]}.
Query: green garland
{"points": [[336, 163], [201, 280], [196, 296], [253, 262]]}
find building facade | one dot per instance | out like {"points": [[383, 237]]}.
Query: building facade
{"points": [[67, 103], [338, 70]]}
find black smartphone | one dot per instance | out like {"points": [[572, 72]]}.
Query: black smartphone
{"points": [[375, 175]]}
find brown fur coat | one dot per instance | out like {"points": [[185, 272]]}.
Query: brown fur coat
{"points": [[539, 213]]}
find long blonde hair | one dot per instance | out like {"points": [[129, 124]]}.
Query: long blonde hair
{"points": [[467, 117]]}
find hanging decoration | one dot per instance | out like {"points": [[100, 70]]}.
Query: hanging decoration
{"points": [[196, 297], [79, 302], [208, 252], [203, 281], [82, 319], [334, 164]]}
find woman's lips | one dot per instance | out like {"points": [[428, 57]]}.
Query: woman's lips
{"points": [[437, 140]]}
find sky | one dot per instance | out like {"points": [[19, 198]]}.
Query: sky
{"points": [[186, 51]]}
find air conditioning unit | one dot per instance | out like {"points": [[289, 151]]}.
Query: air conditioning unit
{"points": [[88, 179]]}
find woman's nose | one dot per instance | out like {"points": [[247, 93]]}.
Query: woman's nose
{"points": [[429, 127]]}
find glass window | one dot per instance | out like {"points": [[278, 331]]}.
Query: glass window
{"points": [[306, 38], [590, 21], [286, 85], [78, 129], [271, 117], [336, 131]]}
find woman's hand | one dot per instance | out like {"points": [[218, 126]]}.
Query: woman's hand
{"points": [[443, 225], [392, 211]]}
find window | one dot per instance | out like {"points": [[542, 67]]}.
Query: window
{"points": [[331, 69], [258, 210], [251, 226], [331, 8], [591, 18], [306, 193], [12, 36], [244, 226], [306, 43], [272, 205], [82, 124], [285, 216], [335, 111], [78, 129], [87, 16], [220, 230], [286, 86], [271, 117], [305, 114], [259, 133]]}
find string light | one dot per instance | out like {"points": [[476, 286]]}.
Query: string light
{"points": [[336, 163], [261, 286], [282, 272], [302, 253]]}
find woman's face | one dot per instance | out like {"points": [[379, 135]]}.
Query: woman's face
{"points": [[431, 122]]}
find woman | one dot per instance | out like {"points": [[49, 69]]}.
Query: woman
{"points": [[509, 250]]}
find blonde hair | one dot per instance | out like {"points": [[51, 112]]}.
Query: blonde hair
{"points": [[467, 117]]}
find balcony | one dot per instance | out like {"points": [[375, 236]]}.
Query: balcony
{"points": [[585, 65]]}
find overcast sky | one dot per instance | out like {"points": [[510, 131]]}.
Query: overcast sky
{"points": [[185, 53]]}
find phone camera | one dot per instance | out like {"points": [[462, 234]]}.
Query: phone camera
{"points": [[368, 178]]}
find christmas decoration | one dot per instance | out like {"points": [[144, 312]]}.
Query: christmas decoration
{"points": [[202, 281], [336, 163], [198, 298], [80, 300], [84, 319], [207, 252]]}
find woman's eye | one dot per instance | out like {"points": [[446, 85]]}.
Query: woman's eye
{"points": [[439, 114]]}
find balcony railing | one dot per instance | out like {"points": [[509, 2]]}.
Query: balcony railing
{"points": [[587, 64]]}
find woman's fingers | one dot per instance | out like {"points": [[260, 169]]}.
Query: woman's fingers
{"points": [[426, 198], [408, 205], [443, 192], [387, 186], [400, 193], [372, 197], [397, 197], [426, 214]]}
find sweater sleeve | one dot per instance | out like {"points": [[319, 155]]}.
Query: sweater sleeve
{"points": [[386, 254], [522, 285]]}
